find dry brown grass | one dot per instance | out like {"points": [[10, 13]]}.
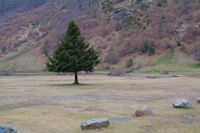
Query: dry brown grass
{"points": [[49, 104]]}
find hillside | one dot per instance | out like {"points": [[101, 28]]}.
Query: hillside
{"points": [[118, 29]]}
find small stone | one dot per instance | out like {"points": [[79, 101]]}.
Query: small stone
{"points": [[174, 76], [146, 110], [96, 123], [6, 129], [182, 103], [198, 100]]}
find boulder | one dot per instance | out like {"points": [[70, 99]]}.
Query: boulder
{"points": [[96, 123], [138, 113], [174, 76], [6, 129], [182, 103], [146, 110], [198, 100]]}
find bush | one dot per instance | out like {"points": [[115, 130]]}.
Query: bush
{"points": [[178, 43], [151, 51], [148, 47], [129, 62], [144, 6], [45, 49], [138, 1], [159, 4], [3, 49]]}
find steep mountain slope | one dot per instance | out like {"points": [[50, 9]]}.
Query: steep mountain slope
{"points": [[117, 28], [7, 6]]}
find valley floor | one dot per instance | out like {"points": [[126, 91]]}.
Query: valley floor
{"points": [[50, 104]]}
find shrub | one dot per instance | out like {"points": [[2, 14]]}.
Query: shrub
{"points": [[172, 50], [151, 51], [45, 49], [3, 49], [159, 4], [138, 1], [148, 47], [178, 43], [144, 6], [129, 62]]}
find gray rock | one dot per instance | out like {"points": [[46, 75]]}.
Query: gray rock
{"points": [[174, 76], [198, 100], [182, 103], [6, 129], [146, 110], [96, 123]]}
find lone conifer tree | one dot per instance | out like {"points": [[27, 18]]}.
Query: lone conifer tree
{"points": [[73, 54]]}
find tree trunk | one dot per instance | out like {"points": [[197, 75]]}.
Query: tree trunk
{"points": [[76, 78]]}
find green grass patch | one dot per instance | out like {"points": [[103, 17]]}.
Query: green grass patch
{"points": [[196, 65], [169, 61]]}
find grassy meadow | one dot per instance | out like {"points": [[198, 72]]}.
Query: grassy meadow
{"points": [[50, 104]]}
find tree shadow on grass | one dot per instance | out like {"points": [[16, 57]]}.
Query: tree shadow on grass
{"points": [[73, 85]]}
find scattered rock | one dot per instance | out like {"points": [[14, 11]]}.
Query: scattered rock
{"points": [[96, 123], [182, 103], [198, 100], [146, 110], [6, 129], [174, 76]]}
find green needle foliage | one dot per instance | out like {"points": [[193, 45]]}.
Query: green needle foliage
{"points": [[73, 54]]}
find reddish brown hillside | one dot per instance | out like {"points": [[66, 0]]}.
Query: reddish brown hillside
{"points": [[117, 28]]}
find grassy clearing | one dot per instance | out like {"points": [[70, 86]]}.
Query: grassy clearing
{"points": [[29, 60], [23, 60], [50, 104], [176, 62]]}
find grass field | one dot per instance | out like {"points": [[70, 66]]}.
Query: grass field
{"points": [[177, 62], [49, 104]]}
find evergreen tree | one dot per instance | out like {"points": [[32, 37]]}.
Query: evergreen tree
{"points": [[73, 54]]}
